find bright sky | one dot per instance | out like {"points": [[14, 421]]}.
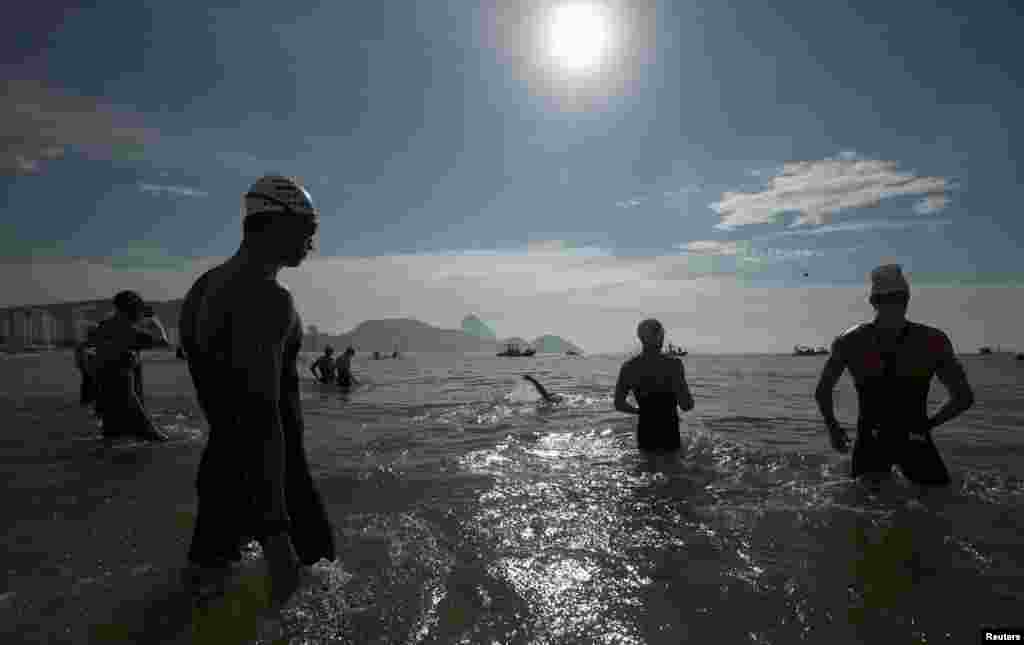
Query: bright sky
{"points": [[735, 169]]}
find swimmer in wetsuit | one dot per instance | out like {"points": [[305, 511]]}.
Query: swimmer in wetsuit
{"points": [[343, 368], [117, 370], [892, 361], [242, 336], [659, 384], [325, 365]]}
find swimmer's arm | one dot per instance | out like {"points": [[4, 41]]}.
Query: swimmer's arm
{"points": [[622, 388], [313, 368], [951, 374], [151, 334], [830, 375], [258, 351], [683, 395]]}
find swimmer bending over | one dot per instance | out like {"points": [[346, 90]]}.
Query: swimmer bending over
{"points": [[659, 384]]}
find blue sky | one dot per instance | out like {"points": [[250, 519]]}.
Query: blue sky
{"points": [[719, 146]]}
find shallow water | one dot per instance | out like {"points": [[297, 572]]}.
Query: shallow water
{"points": [[469, 512]]}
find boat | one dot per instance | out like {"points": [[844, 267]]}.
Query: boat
{"points": [[514, 351], [673, 350], [801, 350], [985, 350], [572, 352]]}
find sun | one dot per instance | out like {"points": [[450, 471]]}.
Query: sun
{"points": [[579, 35]]}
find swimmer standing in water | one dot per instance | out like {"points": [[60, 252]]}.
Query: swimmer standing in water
{"points": [[892, 361], [325, 366], [242, 336], [659, 384]]}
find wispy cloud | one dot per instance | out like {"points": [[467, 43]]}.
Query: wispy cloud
{"points": [[743, 250], [815, 190], [178, 191], [711, 247], [861, 226], [38, 123], [668, 197]]}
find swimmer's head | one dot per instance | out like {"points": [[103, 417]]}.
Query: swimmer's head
{"points": [[651, 333], [889, 288], [328, 350], [130, 304], [279, 217], [350, 351]]}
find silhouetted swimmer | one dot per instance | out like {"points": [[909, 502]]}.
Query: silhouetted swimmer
{"points": [[659, 384], [242, 337], [343, 367], [324, 365], [85, 356], [118, 340], [892, 361], [547, 396]]}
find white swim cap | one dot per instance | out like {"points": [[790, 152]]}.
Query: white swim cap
{"points": [[277, 194], [888, 278]]}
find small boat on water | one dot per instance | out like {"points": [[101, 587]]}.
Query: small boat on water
{"points": [[984, 351], [801, 350], [515, 351], [675, 350], [572, 352]]}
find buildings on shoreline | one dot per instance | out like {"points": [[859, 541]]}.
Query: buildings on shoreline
{"points": [[64, 324]]}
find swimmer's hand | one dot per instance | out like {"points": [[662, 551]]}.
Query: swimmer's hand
{"points": [[840, 442]]}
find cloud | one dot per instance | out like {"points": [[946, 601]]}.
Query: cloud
{"points": [[861, 226], [931, 204], [815, 190], [38, 124], [180, 191], [710, 247]]}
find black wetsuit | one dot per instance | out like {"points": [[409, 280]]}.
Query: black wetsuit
{"points": [[658, 426], [118, 380], [892, 392], [230, 484]]}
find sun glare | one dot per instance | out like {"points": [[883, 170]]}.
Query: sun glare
{"points": [[579, 36]]}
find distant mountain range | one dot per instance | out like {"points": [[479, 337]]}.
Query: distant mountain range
{"points": [[410, 335], [385, 336]]}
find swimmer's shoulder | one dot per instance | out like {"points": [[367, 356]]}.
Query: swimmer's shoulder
{"points": [[852, 339]]}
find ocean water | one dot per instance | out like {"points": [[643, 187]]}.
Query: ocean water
{"points": [[468, 511]]}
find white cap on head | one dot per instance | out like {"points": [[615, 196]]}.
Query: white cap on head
{"points": [[277, 194], [888, 278]]}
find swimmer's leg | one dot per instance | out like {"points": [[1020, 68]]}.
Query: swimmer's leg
{"points": [[921, 463]]}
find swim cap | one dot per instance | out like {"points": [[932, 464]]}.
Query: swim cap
{"points": [[888, 278], [128, 301], [650, 332], [277, 194]]}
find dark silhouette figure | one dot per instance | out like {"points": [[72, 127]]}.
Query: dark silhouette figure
{"points": [[323, 367], [85, 356], [118, 372], [242, 336], [892, 361], [343, 368], [659, 384]]}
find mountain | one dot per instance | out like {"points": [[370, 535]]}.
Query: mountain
{"points": [[403, 334], [475, 327], [549, 344]]}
